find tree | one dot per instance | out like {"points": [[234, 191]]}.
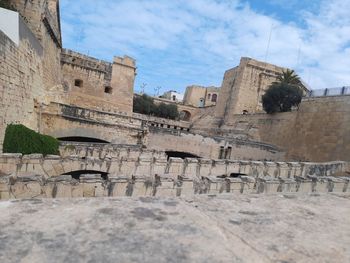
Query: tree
{"points": [[145, 105], [283, 94], [290, 78]]}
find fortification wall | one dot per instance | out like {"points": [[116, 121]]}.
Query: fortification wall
{"points": [[60, 120], [21, 82], [318, 131], [97, 84], [43, 21], [34, 176], [210, 147]]}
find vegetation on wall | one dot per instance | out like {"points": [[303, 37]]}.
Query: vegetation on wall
{"points": [[283, 94], [145, 105], [20, 139]]}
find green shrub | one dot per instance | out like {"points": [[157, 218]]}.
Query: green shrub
{"points": [[20, 139]]}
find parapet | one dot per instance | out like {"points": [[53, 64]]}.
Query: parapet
{"points": [[125, 61]]}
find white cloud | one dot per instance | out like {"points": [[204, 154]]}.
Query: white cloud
{"points": [[177, 43]]}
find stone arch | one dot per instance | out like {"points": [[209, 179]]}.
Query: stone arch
{"points": [[82, 134], [179, 154], [185, 115], [76, 174], [81, 139]]}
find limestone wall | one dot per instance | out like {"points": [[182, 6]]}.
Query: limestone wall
{"points": [[43, 21], [98, 84], [318, 131], [21, 82], [210, 147], [34, 176], [60, 120]]}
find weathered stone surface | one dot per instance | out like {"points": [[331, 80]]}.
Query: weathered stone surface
{"points": [[226, 228]]}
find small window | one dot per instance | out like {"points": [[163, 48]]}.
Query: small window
{"points": [[174, 97], [214, 98], [78, 83], [108, 90], [209, 95]]}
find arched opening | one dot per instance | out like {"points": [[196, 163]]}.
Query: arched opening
{"points": [[181, 155], [214, 97], [185, 115], [81, 139], [201, 103], [77, 174]]}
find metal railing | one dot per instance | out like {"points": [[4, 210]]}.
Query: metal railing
{"points": [[345, 90]]}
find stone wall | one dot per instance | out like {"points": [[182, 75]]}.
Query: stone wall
{"points": [[60, 120], [243, 87], [34, 176], [21, 82], [43, 20], [210, 147], [195, 93], [98, 84], [318, 131]]}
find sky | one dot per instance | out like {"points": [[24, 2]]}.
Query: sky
{"points": [[177, 43]]}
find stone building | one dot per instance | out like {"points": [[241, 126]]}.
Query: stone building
{"points": [[199, 96], [243, 87], [93, 83]]}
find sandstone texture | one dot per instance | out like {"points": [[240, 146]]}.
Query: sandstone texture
{"points": [[225, 228]]}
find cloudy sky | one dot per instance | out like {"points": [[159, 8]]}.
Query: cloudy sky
{"points": [[177, 43]]}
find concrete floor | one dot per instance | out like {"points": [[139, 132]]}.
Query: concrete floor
{"points": [[225, 228]]}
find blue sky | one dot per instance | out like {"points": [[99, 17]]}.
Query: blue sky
{"points": [[183, 42]]}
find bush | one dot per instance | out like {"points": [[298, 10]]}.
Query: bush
{"points": [[281, 97], [145, 105], [20, 139]]}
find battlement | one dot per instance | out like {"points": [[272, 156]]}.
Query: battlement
{"points": [[81, 60]]}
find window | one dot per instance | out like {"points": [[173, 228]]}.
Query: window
{"points": [[214, 98], [209, 95], [78, 83], [174, 97], [108, 90], [228, 152], [221, 152]]}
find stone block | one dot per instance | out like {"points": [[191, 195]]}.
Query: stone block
{"points": [[233, 185], [118, 185], [219, 167], [268, 185], [283, 170], [205, 166], [304, 185], [248, 184], [271, 169], [191, 168], [215, 185], [250, 168], [175, 167], [288, 185], [233, 167], [166, 187]]}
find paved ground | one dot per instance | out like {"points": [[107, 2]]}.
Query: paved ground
{"points": [[242, 228]]}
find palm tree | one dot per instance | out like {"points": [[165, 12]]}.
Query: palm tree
{"points": [[289, 77]]}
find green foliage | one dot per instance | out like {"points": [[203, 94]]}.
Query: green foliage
{"points": [[20, 139], [6, 4], [145, 105], [281, 97]]}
